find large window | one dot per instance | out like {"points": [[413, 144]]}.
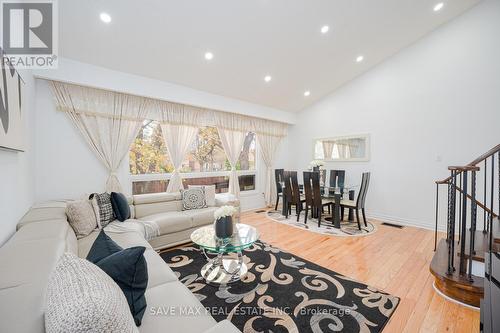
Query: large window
{"points": [[205, 164]]}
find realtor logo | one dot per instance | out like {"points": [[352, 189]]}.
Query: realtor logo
{"points": [[29, 33]]}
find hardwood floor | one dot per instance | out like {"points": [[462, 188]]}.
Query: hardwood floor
{"points": [[395, 260]]}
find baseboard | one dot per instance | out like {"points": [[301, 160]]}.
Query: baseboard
{"points": [[405, 221]]}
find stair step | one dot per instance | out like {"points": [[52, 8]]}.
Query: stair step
{"points": [[481, 241]]}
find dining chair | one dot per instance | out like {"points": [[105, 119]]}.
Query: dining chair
{"points": [[313, 198], [297, 198], [278, 176], [337, 179], [291, 193], [359, 203]]}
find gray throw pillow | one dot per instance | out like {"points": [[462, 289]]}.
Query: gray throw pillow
{"points": [[81, 217], [193, 198], [82, 298]]}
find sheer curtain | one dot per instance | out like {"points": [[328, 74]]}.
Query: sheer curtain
{"points": [[269, 136], [232, 130], [179, 127], [108, 121], [328, 149]]}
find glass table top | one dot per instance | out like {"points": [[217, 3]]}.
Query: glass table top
{"points": [[244, 237]]}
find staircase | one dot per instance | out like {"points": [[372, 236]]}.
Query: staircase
{"points": [[458, 262]]}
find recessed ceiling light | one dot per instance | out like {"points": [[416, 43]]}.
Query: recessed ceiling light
{"points": [[360, 58], [325, 29], [438, 7], [209, 55], [267, 78], [307, 93], [105, 17]]}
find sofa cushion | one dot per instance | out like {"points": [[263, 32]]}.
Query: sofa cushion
{"points": [[123, 239], [51, 210], [201, 216], [141, 199], [81, 296], [173, 306], [128, 268], [171, 221], [158, 270], [120, 206], [144, 210]]}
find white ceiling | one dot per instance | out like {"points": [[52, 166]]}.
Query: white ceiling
{"points": [[167, 39]]}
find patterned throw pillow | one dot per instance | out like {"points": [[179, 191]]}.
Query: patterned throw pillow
{"points": [[193, 198], [104, 208], [81, 217], [81, 297], [209, 193]]}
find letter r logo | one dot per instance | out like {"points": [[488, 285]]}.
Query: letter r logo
{"points": [[27, 27]]}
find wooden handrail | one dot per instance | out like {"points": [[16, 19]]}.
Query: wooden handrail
{"points": [[478, 160], [480, 204]]}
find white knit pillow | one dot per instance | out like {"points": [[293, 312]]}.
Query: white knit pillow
{"points": [[83, 298]]}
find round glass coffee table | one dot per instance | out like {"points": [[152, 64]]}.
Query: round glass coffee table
{"points": [[222, 269]]}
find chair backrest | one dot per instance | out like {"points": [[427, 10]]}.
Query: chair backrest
{"points": [[312, 189], [278, 176], [337, 179], [295, 188], [308, 188], [287, 191], [365, 181]]}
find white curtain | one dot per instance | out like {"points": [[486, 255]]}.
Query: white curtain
{"points": [[108, 121], [179, 127], [269, 136], [232, 130], [328, 149]]}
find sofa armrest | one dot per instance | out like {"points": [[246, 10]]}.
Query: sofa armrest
{"points": [[223, 199], [227, 199], [224, 326]]}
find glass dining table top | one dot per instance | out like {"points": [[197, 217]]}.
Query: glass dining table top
{"points": [[243, 238]]}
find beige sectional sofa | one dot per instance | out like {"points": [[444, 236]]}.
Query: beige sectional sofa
{"points": [[175, 224], [43, 235]]}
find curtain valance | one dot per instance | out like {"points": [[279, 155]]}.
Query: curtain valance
{"points": [[95, 102]]}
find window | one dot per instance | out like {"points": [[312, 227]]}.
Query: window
{"points": [[205, 164], [148, 153]]}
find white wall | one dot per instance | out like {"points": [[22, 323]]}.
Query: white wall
{"points": [[67, 168], [16, 169], [435, 104], [98, 77]]}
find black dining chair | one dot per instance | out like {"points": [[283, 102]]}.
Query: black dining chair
{"points": [[337, 179], [291, 193], [278, 176], [298, 199], [313, 198], [359, 203]]}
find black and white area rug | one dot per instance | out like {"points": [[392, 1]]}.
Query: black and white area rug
{"points": [[285, 293], [347, 228]]}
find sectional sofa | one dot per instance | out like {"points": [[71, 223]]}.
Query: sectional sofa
{"points": [[44, 234]]}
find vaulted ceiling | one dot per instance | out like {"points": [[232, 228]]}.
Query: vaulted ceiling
{"points": [[168, 40]]}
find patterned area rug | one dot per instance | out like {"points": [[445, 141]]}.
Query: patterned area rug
{"points": [[347, 228], [285, 293]]}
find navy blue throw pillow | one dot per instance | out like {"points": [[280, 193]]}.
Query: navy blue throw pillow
{"points": [[120, 206], [127, 267], [103, 247]]}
